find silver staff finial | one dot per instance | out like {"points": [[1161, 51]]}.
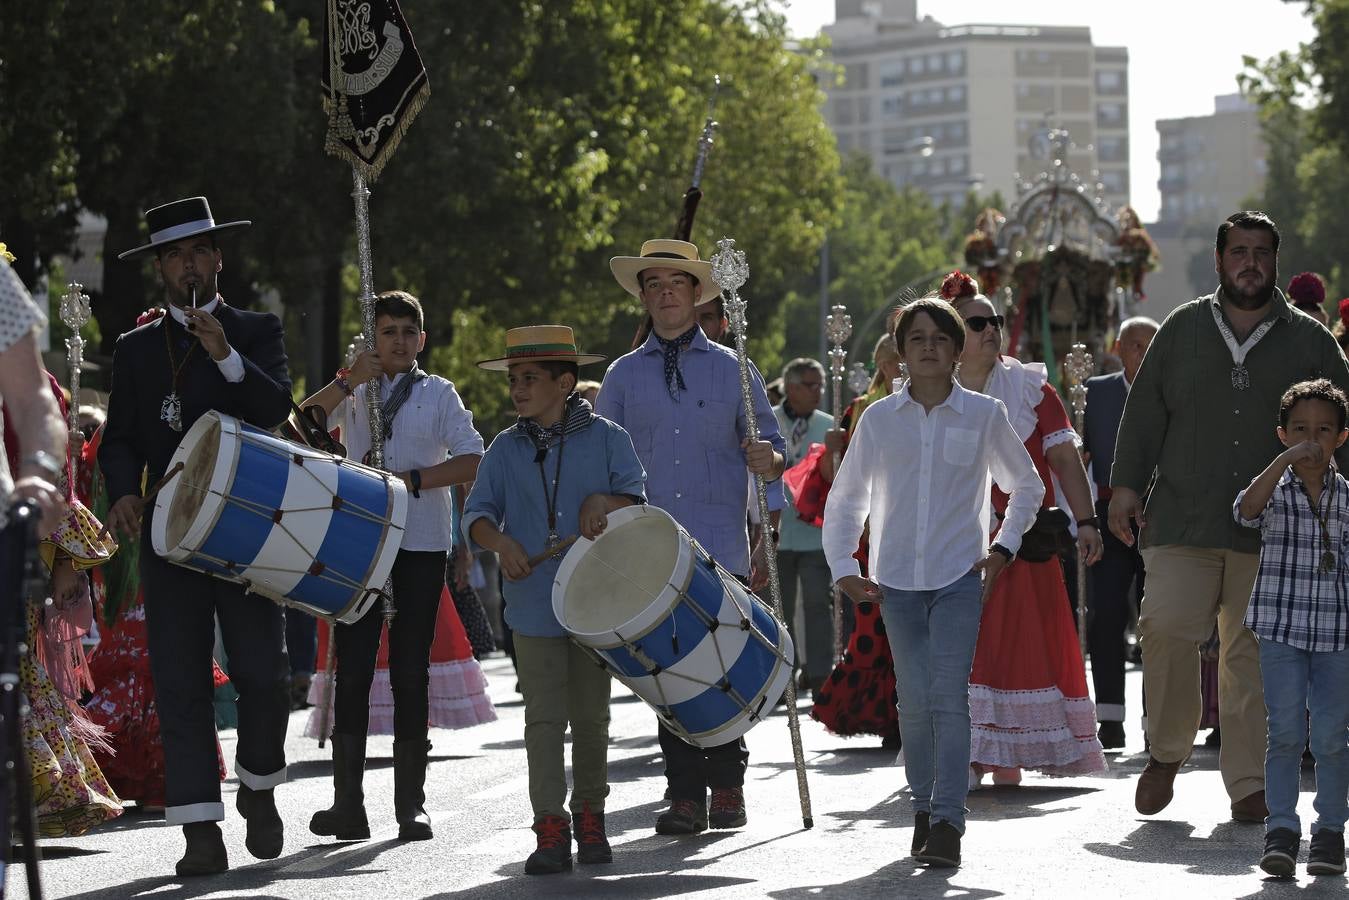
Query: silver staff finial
{"points": [[75, 307], [1079, 366], [729, 268]]}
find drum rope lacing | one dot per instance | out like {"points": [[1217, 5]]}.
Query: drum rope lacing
{"points": [[745, 623], [276, 516]]}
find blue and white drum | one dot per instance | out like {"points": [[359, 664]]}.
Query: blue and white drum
{"points": [[289, 522], [706, 654]]}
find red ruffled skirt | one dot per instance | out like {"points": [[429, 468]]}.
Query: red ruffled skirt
{"points": [[1029, 706], [123, 705]]}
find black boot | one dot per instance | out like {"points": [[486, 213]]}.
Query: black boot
{"points": [[265, 833], [205, 850], [409, 794], [345, 819]]}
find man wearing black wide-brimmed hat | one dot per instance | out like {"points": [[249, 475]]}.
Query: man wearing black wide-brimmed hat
{"points": [[202, 355]]}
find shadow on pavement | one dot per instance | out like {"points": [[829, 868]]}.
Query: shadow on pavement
{"points": [[251, 879], [1232, 848], [596, 881], [902, 878]]}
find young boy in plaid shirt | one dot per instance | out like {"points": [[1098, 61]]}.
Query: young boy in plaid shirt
{"points": [[1299, 610]]}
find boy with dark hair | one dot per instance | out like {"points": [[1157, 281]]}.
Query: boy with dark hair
{"points": [[1299, 611], [917, 473], [559, 470], [430, 442]]}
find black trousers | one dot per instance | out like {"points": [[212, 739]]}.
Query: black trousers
{"points": [[1108, 617], [690, 770], [301, 640], [418, 577], [181, 608]]}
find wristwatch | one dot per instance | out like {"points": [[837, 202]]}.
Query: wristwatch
{"points": [[415, 476], [995, 547], [1090, 520]]}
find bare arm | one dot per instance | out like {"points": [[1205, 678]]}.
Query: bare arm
{"points": [[1261, 488], [1067, 465], [455, 470]]}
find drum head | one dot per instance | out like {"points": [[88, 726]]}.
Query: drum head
{"points": [[616, 578], [193, 485]]}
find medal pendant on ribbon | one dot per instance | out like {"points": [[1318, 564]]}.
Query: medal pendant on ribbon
{"points": [[171, 411], [1328, 561], [1241, 377], [553, 540]]}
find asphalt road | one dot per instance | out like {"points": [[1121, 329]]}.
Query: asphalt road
{"points": [[1047, 838]]}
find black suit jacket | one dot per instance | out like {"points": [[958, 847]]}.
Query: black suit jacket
{"points": [[1105, 407], [135, 439]]}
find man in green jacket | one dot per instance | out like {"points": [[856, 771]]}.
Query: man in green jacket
{"points": [[1198, 426]]}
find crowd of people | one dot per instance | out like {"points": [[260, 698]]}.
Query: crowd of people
{"points": [[926, 537]]}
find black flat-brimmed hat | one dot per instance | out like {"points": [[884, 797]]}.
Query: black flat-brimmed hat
{"points": [[178, 220]]}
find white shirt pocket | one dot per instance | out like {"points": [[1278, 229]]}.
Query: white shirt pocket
{"points": [[960, 445]]}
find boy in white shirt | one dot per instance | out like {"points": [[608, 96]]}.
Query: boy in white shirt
{"points": [[917, 470], [430, 442]]}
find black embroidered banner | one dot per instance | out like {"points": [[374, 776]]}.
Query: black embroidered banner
{"points": [[373, 81]]}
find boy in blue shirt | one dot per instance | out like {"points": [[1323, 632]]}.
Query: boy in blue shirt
{"points": [[559, 471], [1299, 611]]}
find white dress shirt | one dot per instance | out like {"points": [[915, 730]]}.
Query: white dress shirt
{"points": [[232, 366], [922, 479], [432, 425]]}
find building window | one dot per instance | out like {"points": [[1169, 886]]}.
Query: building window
{"points": [[892, 106], [955, 93], [916, 65], [1110, 81], [890, 74], [1110, 115], [955, 61]]}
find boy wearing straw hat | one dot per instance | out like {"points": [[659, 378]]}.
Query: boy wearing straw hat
{"points": [[558, 471], [679, 396]]}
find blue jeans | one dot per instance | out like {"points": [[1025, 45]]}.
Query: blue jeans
{"points": [[932, 636], [1296, 682]]}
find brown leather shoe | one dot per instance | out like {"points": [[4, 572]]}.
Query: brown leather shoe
{"points": [[1250, 808], [1154, 790]]}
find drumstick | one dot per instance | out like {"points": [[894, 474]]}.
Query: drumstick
{"points": [[150, 494], [552, 551]]}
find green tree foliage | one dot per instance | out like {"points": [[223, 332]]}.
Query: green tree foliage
{"points": [[1303, 97], [557, 135]]}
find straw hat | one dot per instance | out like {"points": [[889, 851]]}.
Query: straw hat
{"points": [[539, 343], [665, 253]]}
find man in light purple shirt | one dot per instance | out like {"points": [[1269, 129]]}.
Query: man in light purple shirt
{"points": [[678, 395]]}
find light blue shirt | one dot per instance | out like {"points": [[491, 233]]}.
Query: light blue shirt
{"points": [[691, 446], [508, 492], [795, 534]]}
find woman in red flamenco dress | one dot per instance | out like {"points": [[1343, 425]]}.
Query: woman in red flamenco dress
{"points": [[859, 695], [1029, 705]]}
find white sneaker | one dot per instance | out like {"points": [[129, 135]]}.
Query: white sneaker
{"points": [[975, 778]]}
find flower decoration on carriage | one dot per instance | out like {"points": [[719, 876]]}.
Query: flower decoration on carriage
{"points": [[1137, 253], [1344, 313], [981, 249], [5, 254]]}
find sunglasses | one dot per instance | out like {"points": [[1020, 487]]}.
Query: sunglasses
{"points": [[979, 323]]}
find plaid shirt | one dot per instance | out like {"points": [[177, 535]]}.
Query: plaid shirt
{"points": [[1293, 601]]}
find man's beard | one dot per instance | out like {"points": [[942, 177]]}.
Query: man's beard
{"points": [[1243, 298]]}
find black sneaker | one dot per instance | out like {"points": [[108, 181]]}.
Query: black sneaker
{"points": [[1327, 853], [1111, 735], [553, 851], [921, 821], [1280, 857], [728, 808], [592, 844], [683, 817], [942, 848]]}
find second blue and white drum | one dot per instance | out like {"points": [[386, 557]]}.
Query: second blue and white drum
{"points": [[289, 522], [706, 654]]}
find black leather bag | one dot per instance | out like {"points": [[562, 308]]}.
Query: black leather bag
{"points": [[1048, 537]]}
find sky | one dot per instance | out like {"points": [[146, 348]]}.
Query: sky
{"points": [[1182, 53]]}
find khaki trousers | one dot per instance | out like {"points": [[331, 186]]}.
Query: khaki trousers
{"points": [[563, 685], [1187, 589]]}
